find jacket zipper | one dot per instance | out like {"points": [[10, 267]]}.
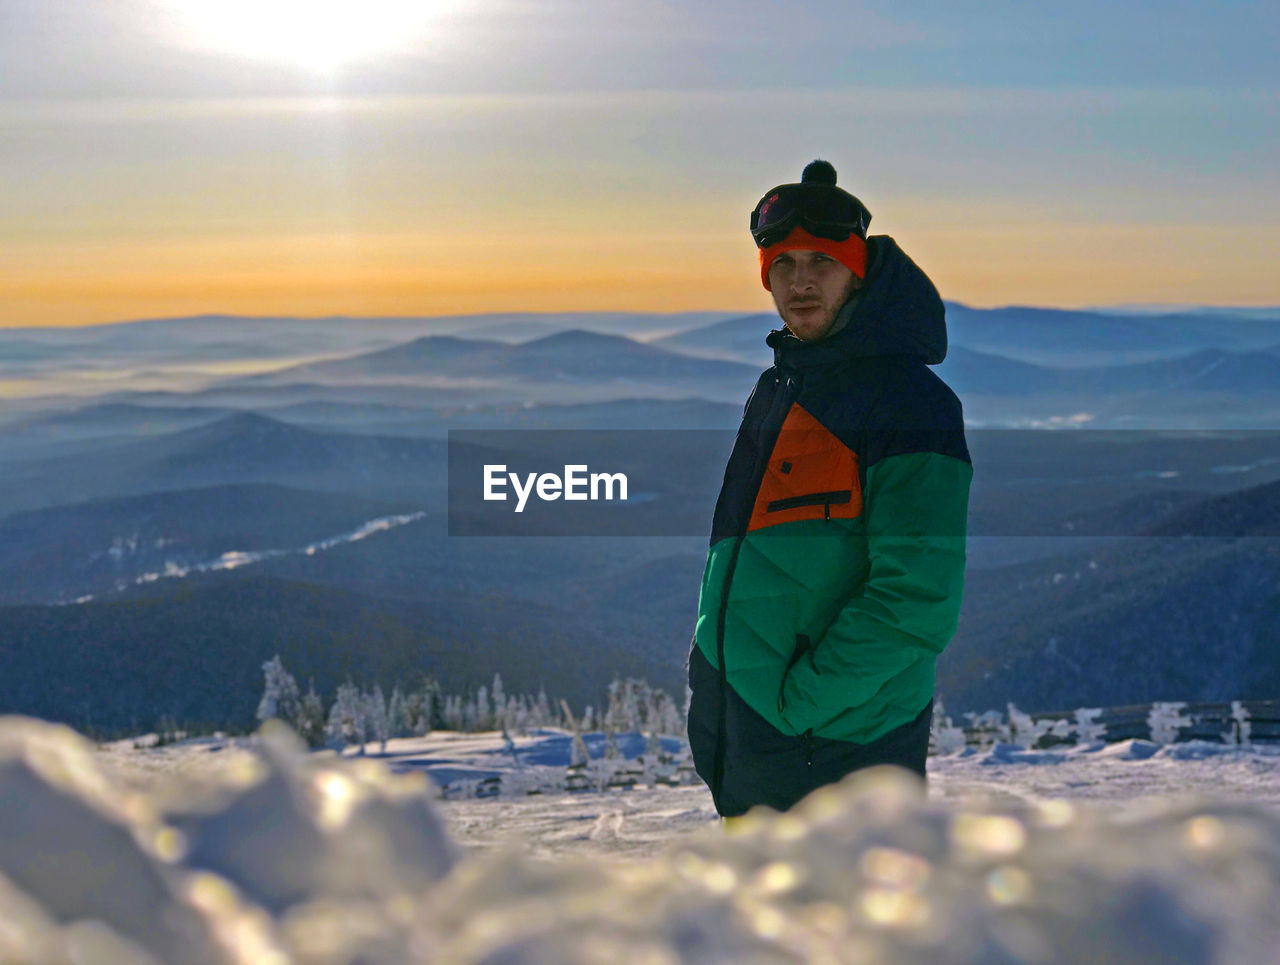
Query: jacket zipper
{"points": [[790, 388], [806, 739], [835, 497], [801, 648]]}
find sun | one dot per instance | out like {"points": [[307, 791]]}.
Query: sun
{"points": [[315, 34]]}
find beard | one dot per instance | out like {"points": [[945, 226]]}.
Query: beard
{"points": [[810, 319]]}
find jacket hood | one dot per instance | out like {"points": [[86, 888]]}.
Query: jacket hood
{"points": [[897, 312]]}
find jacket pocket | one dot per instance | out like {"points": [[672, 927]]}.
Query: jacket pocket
{"points": [[835, 497], [801, 648]]}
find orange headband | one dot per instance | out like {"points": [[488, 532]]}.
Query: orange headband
{"points": [[852, 252]]}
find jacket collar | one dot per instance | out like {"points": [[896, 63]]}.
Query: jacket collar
{"points": [[897, 312]]}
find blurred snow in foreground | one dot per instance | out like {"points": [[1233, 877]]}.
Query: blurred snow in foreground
{"points": [[277, 856]]}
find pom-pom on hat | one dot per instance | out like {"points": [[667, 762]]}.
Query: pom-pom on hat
{"points": [[819, 172], [815, 215]]}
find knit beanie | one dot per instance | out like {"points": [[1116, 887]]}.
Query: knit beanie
{"points": [[852, 252]]}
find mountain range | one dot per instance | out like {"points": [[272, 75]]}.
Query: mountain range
{"points": [[1157, 617], [243, 447], [567, 356], [1105, 566], [194, 652]]}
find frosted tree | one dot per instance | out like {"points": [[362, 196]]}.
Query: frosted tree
{"points": [[634, 699], [484, 710], [611, 751], [588, 720], [280, 696], [499, 699], [542, 709], [453, 712], [415, 720], [945, 736], [1239, 731], [1024, 731], [346, 717], [578, 755], [425, 709], [1165, 720], [311, 717], [360, 720], [1088, 729], [666, 717], [517, 715], [651, 759], [652, 745], [626, 699], [376, 714], [397, 722]]}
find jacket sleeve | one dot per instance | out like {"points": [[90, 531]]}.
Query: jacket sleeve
{"points": [[916, 504]]}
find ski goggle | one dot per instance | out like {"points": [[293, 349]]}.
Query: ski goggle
{"points": [[821, 209]]}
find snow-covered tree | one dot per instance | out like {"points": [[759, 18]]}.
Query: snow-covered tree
{"points": [[397, 722], [1165, 720], [1024, 731], [346, 717], [611, 750], [452, 712], [517, 716], [424, 709], [417, 715], [1239, 731], [627, 699], [588, 720], [542, 716], [376, 714], [945, 737], [311, 719], [499, 700], [578, 753], [280, 696], [664, 716], [609, 718], [1088, 728]]}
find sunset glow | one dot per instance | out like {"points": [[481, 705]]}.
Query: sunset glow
{"points": [[315, 34], [315, 157]]}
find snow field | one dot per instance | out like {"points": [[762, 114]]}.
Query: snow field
{"points": [[256, 851]]}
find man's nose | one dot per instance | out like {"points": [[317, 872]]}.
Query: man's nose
{"points": [[802, 279]]}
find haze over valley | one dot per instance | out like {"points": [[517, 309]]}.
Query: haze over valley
{"points": [[181, 499]]}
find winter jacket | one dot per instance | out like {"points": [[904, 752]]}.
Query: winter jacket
{"points": [[837, 553]]}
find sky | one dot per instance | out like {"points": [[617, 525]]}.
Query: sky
{"points": [[382, 157]]}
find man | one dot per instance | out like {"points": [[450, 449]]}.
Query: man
{"points": [[837, 553]]}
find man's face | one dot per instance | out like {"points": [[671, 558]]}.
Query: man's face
{"points": [[809, 287]]}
